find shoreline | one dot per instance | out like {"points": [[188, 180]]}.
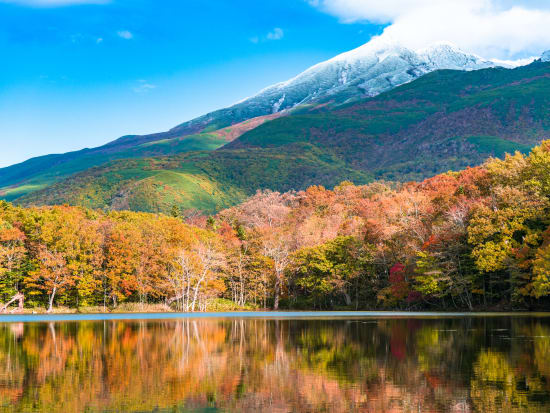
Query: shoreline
{"points": [[266, 315]]}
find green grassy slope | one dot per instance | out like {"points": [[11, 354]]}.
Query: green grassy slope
{"points": [[38, 173], [205, 181], [140, 185], [446, 120]]}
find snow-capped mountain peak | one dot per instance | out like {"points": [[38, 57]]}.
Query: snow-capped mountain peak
{"points": [[368, 70], [445, 55], [545, 56], [373, 68], [378, 47]]}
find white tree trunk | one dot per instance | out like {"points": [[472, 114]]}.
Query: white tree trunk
{"points": [[52, 296]]}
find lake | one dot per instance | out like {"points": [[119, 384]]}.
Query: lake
{"points": [[275, 362]]}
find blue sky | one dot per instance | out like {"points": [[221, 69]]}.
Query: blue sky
{"points": [[80, 75]]}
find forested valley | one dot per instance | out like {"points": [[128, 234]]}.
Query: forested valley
{"points": [[469, 240]]}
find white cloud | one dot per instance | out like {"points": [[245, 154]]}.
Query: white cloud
{"points": [[53, 3], [125, 34], [143, 86], [501, 29], [276, 34]]}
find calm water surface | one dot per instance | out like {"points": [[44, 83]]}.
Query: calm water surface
{"points": [[278, 363]]}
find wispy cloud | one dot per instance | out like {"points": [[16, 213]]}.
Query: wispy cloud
{"points": [[53, 3], [125, 34], [143, 87], [276, 34], [502, 29]]}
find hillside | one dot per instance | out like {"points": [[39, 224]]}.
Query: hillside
{"points": [[196, 180], [446, 120], [476, 239], [38, 173], [366, 71]]}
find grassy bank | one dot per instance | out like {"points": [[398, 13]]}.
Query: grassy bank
{"points": [[216, 305]]}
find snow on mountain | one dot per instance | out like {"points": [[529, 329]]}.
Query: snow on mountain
{"points": [[545, 56], [367, 71]]}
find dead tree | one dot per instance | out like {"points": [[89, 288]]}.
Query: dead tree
{"points": [[17, 297]]}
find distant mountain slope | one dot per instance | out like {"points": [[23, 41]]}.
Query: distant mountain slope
{"points": [[204, 181], [445, 120], [366, 71], [38, 173]]}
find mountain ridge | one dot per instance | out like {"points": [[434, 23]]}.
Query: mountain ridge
{"points": [[363, 72], [352, 76], [445, 120]]}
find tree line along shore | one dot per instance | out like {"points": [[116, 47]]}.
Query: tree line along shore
{"points": [[469, 240]]}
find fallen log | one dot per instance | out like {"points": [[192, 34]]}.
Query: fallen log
{"points": [[17, 297], [172, 300]]}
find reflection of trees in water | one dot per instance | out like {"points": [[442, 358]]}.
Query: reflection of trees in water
{"points": [[486, 365]]}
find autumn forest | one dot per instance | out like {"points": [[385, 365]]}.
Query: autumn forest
{"points": [[478, 239]]}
